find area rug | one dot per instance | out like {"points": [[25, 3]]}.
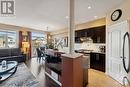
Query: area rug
{"points": [[22, 78]]}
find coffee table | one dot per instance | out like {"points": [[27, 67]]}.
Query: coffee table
{"points": [[9, 71]]}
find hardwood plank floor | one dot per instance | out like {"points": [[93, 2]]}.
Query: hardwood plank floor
{"points": [[96, 78], [38, 70], [100, 79]]}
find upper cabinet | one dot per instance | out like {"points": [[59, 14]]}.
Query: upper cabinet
{"points": [[98, 34]]}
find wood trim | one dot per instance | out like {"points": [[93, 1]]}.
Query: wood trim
{"points": [[72, 72], [30, 41], [20, 39]]}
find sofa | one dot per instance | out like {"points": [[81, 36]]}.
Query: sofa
{"points": [[12, 54]]}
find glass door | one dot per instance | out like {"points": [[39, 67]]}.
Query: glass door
{"points": [[38, 40]]}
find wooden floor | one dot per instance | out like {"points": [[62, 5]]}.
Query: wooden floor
{"points": [[38, 70], [100, 79], [96, 78]]}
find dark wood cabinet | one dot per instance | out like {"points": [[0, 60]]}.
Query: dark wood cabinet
{"points": [[80, 33], [98, 34], [97, 61]]}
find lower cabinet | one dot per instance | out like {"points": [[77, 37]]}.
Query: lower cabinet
{"points": [[97, 61]]}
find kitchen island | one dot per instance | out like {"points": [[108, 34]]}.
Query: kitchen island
{"points": [[64, 69]]}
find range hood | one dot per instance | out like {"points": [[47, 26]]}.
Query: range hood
{"points": [[86, 39]]}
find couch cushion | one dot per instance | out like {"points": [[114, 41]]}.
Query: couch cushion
{"points": [[15, 52], [5, 52]]}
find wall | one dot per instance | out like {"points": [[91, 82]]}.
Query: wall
{"points": [[88, 46], [125, 7], [22, 32], [64, 32], [18, 28]]}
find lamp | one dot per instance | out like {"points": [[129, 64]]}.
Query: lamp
{"points": [[25, 46]]}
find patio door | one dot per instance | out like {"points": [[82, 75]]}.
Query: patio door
{"points": [[38, 40]]}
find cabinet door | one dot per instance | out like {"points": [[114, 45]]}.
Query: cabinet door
{"points": [[102, 62], [94, 61], [98, 31], [99, 34], [76, 33], [97, 61], [89, 32], [77, 40], [77, 37], [80, 33], [94, 37], [103, 34]]}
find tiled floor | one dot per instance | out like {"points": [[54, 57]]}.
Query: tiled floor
{"points": [[96, 78]]}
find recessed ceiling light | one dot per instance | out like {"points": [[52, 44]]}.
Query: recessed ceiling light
{"points": [[95, 17], [89, 7], [67, 17]]}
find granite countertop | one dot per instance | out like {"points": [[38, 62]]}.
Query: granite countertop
{"points": [[72, 56], [88, 51], [99, 52]]}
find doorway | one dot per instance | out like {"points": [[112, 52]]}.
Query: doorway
{"points": [[38, 40]]}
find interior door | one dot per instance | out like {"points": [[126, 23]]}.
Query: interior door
{"points": [[115, 35]]}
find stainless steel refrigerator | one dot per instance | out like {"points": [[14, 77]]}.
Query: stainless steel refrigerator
{"points": [[126, 59]]}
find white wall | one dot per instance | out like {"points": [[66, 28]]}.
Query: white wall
{"points": [[125, 7]]}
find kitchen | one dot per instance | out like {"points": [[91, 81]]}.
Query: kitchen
{"points": [[90, 40], [94, 49], [117, 24]]}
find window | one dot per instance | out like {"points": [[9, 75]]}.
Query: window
{"points": [[8, 39], [38, 40], [2, 39]]}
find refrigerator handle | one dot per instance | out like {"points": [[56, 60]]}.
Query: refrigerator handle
{"points": [[123, 58]]}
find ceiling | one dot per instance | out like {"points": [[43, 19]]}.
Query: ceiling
{"points": [[40, 14]]}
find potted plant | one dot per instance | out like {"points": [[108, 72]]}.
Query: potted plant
{"points": [[55, 44]]}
